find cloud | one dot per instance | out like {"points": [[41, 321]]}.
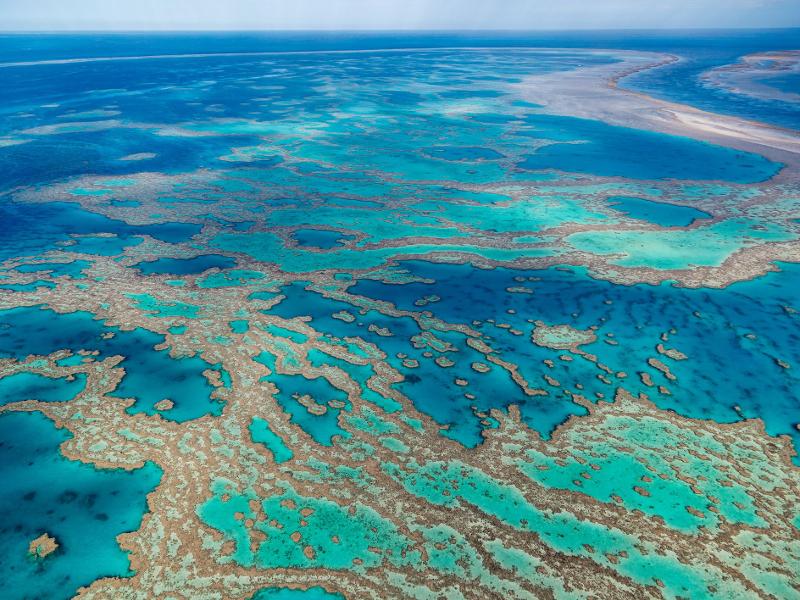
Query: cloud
{"points": [[395, 14]]}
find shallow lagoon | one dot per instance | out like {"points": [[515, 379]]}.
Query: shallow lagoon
{"points": [[32, 386], [82, 507]]}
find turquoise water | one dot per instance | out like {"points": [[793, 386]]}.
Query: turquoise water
{"points": [[33, 386], [261, 433], [321, 427], [82, 507], [313, 593]]}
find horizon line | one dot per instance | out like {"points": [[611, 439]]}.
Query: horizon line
{"points": [[394, 30]]}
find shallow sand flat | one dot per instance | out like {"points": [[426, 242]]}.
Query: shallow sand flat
{"points": [[750, 75], [593, 93]]}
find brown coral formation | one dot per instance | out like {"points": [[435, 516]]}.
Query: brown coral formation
{"points": [[42, 546]]}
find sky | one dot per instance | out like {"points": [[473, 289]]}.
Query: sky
{"points": [[392, 14]]}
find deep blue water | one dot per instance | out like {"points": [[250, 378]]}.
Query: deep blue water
{"points": [[72, 269], [633, 153], [726, 367], [70, 154], [659, 213], [179, 91], [700, 50], [185, 266], [429, 386], [150, 375], [790, 82], [32, 229], [319, 238]]}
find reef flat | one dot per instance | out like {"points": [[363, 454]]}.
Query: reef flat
{"points": [[393, 323], [594, 93], [769, 75]]}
